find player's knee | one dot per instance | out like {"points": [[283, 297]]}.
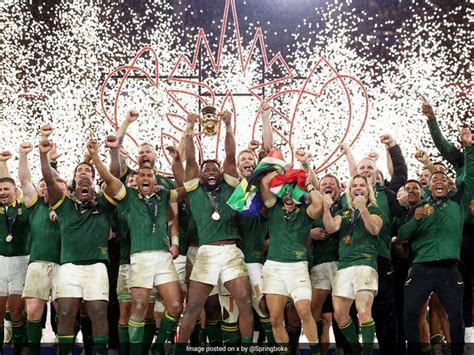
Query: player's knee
{"points": [[139, 305], [65, 312], [364, 315], [305, 313], [99, 312], [277, 321], [175, 308], [340, 317], [244, 300], [34, 313]]}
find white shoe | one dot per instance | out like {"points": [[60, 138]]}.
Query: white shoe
{"points": [[8, 332]]}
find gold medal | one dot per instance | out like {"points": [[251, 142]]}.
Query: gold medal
{"points": [[347, 239], [9, 238], [216, 216]]}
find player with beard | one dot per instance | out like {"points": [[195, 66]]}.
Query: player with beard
{"points": [[253, 230], [384, 310], [430, 334], [410, 198], [435, 232], [402, 259], [146, 154], [285, 273], [356, 277], [84, 222], [122, 265], [14, 229], [151, 259], [324, 265], [218, 260], [45, 247]]}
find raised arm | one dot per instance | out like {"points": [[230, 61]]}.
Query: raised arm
{"points": [[315, 209], [331, 224], [400, 169], [181, 147], [347, 151], [423, 158], [192, 168], [467, 141], [24, 174], [389, 163], [55, 193], [230, 165], [176, 165], [447, 149], [46, 131], [114, 186], [132, 116], [53, 157], [4, 157], [113, 144], [267, 132], [305, 158], [268, 197]]}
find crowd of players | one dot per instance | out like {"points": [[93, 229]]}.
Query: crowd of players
{"points": [[372, 256]]}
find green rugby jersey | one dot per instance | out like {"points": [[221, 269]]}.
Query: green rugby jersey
{"points": [[141, 213], [210, 230], [356, 245], [289, 232], [18, 216], [253, 231], [84, 229], [123, 236], [385, 235], [325, 251], [438, 236], [45, 237]]}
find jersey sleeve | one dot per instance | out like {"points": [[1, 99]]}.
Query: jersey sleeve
{"points": [[60, 203], [191, 185], [33, 203], [231, 180]]}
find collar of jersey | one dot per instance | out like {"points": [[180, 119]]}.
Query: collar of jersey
{"points": [[142, 197], [11, 204]]}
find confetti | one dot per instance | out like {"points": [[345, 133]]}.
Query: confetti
{"points": [[56, 60]]}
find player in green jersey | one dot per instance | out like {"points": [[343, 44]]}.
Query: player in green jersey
{"points": [[253, 230], [14, 229], [45, 248], [84, 222], [151, 254], [435, 232], [324, 263], [356, 278], [384, 309], [285, 273], [218, 258]]}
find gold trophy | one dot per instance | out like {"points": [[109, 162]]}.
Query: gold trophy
{"points": [[209, 121]]}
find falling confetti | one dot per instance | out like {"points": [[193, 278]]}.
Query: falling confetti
{"points": [[56, 60]]}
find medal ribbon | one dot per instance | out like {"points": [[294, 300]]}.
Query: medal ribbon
{"points": [[215, 199], [11, 220], [355, 214], [437, 203], [152, 205]]}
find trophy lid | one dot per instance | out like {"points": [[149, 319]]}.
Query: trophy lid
{"points": [[208, 110]]}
